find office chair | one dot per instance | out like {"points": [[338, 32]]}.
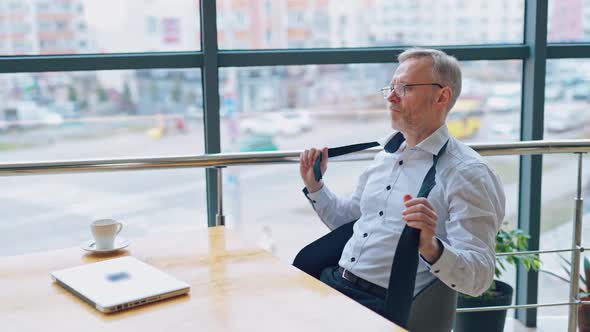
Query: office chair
{"points": [[433, 308]]}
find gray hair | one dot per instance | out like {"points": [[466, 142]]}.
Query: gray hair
{"points": [[446, 68]]}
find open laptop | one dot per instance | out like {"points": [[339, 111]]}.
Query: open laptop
{"points": [[119, 283]]}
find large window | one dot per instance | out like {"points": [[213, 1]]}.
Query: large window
{"points": [[92, 115], [100, 114], [98, 26], [260, 24]]}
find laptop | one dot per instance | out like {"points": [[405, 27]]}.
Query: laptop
{"points": [[119, 283]]}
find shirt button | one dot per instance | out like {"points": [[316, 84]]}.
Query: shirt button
{"points": [[401, 162], [453, 285], [314, 201], [437, 271], [381, 213], [388, 187], [365, 235], [354, 259]]}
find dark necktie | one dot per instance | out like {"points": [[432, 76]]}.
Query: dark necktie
{"points": [[400, 292]]}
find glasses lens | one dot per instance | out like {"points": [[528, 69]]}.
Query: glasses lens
{"points": [[399, 89]]}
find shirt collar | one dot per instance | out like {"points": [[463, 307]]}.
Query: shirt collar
{"points": [[432, 144]]}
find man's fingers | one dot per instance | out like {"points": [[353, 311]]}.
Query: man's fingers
{"points": [[422, 225], [420, 208], [418, 200]]}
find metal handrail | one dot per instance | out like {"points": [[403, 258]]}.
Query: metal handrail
{"points": [[521, 306], [221, 160], [248, 158]]}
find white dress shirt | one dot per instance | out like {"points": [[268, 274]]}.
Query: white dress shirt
{"points": [[468, 198]]}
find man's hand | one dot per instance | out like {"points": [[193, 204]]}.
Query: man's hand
{"points": [[306, 161], [420, 214]]}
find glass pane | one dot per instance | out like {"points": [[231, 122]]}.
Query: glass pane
{"points": [[264, 24], [91, 115], [55, 211], [296, 107], [568, 21], [98, 26], [100, 114], [567, 97], [559, 186]]}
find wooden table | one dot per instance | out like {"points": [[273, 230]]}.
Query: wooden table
{"points": [[235, 286]]}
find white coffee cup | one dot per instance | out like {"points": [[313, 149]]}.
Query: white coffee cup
{"points": [[104, 232]]}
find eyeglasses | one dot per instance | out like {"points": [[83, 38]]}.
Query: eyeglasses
{"points": [[400, 88]]}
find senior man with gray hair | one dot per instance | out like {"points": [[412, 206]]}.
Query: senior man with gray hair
{"points": [[458, 220]]}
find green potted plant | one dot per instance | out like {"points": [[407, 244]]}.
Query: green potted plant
{"points": [[583, 292], [499, 293]]}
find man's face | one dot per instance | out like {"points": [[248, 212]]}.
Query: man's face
{"points": [[415, 111]]}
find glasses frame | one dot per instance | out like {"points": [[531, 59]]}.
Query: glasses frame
{"points": [[386, 91]]}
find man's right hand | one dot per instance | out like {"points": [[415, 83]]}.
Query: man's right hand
{"points": [[306, 161]]}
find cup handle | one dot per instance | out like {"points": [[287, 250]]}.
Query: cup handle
{"points": [[120, 227]]}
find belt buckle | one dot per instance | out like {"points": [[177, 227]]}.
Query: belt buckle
{"points": [[344, 275]]}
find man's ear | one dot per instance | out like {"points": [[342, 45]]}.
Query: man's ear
{"points": [[444, 97]]}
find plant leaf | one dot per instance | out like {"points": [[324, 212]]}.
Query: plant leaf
{"points": [[555, 275]]}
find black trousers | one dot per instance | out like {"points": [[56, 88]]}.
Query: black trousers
{"points": [[320, 260], [332, 277]]}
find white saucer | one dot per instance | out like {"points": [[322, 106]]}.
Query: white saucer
{"points": [[120, 243]]}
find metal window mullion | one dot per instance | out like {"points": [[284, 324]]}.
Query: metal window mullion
{"points": [[568, 51], [210, 101], [531, 166], [288, 57], [86, 62], [239, 58]]}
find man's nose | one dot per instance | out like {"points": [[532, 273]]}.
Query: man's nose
{"points": [[393, 97]]}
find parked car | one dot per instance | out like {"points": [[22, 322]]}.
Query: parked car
{"points": [[504, 98], [252, 143], [506, 130], [562, 121], [285, 123], [27, 114], [563, 117]]}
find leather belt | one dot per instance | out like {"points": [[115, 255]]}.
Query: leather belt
{"points": [[366, 286]]}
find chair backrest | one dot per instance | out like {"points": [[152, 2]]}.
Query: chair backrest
{"points": [[433, 309]]}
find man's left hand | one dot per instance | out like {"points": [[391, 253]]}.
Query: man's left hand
{"points": [[420, 214]]}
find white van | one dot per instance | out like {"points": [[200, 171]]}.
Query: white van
{"points": [[26, 114]]}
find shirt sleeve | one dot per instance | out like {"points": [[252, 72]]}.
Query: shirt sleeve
{"points": [[476, 209], [333, 210]]}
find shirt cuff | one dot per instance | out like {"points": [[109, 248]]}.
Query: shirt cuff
{"points": [[317, 198], [445, 264]]}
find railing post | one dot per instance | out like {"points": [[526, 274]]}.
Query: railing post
{"points": [[220, 217], [576, 245]]}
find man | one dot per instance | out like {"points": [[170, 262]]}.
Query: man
{"points": [[459, 218]]}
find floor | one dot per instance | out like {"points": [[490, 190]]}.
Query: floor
{"points": [[544, 324]]}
